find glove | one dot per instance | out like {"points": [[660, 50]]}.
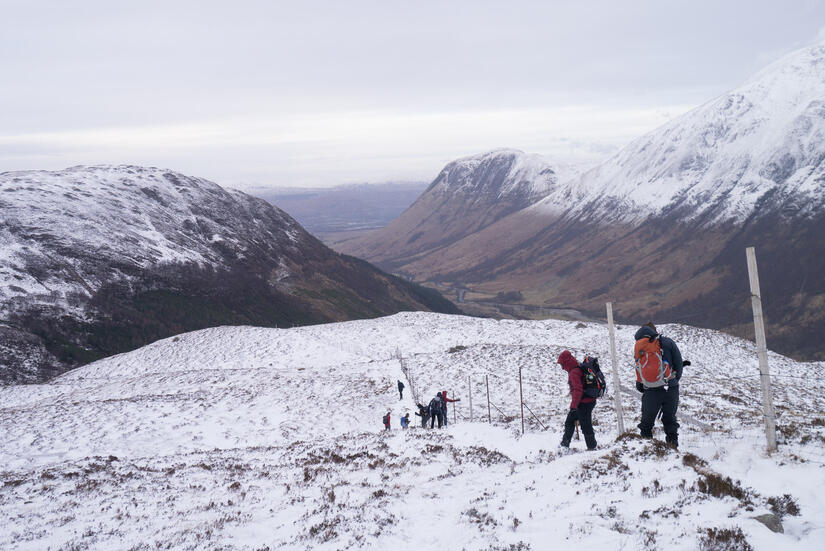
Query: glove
{"points": [[458, 399], [685, 363], [640, 387], [574, 410]]}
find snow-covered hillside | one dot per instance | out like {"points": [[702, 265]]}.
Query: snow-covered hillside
{"points": [[97, 260], [722, 160], [134, 216], [251, 438], [503, 173], [66, 235], [468, 195]]}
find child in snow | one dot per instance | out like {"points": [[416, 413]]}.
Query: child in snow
{"points": [[387, 421], [405, 421]]}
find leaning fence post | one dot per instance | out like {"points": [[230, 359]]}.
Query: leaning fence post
{"points": [[521, 399], [489, 417], [762, 350], [617, 395]]}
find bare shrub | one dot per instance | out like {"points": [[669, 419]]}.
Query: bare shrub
{"points": [[784, 506], [723, 539], [717, 485]]}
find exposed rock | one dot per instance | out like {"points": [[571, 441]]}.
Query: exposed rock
{"points": [[772, 521]]}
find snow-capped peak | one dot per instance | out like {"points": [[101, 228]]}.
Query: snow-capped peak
{"points": [[766, 136], [503, 172]]}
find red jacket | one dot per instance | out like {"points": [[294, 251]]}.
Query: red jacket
{"points": [[445, 399], [574, 379]]}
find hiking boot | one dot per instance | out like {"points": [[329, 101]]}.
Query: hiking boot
{"points": [[672, 441], [565, 444]]}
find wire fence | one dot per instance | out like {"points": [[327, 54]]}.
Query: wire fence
{"points": [[737, 304], [716, 433]]}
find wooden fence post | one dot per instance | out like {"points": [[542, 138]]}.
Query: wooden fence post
{"points": [[762, 350], [617, 395], [489, 417], [470, 394], [521, 399]]}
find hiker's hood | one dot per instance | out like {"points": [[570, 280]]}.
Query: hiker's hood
{"points": [[567, 361]]}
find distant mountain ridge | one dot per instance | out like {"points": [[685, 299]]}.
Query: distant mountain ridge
{"points": [[345, 208], [99, 260], [660, 228], [468, 195]]}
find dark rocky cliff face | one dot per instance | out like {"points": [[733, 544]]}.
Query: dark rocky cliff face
{"points": [[101, 260]]}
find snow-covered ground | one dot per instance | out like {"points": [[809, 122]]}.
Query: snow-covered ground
{"points": [[250, 438]]}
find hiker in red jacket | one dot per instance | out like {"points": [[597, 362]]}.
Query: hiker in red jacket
{"points": [[444, 401], [581, 407]]}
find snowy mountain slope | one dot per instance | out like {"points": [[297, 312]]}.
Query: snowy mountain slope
{"points": [[97, 260], [252, 438], [661, 227], [758, 147], [468, 195], [501, 172]]}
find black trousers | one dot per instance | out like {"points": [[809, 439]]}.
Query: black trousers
{"points": [[434, 416], [666, 400], [584, 415]]}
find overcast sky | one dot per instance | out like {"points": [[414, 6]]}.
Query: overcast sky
{"points": [[322, 93]]}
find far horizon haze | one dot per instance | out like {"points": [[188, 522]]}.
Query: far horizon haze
{"points": [[277, 94]]}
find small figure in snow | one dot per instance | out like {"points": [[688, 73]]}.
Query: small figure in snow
{"points": [[400, 390], [658, 371], [444, 401], [387, 421], [581, 406], [424, 413], [435, 410], [405, 421]]}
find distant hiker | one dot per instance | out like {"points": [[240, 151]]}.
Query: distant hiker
{"points": [[581, 406], [444, 401], [405, 421], [424, 413], [400, 390], [658, 371], [387, 421], [435, 411]]}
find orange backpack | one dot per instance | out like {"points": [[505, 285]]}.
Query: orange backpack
{"points": [[651, 370]]}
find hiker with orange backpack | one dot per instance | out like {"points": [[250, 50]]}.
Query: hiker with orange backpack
{"points": [[658, 371], [581, 405]]}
